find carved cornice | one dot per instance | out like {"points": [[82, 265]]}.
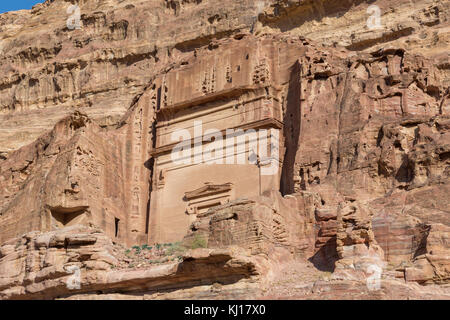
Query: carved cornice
{"points": [[259, 124], [207, 190]]}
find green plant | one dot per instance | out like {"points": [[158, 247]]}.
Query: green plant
{"points": [[198, 242], [137, 248]]}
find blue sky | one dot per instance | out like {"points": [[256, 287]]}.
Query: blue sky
{"points": [[12, 5]]}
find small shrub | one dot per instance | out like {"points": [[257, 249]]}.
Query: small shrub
{"points": [[175, 248]]}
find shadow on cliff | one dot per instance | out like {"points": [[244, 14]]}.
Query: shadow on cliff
{"points": [[325, 258], [291, 130]]}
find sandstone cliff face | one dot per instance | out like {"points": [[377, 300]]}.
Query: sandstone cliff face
{"points": [[103, 66], [364, 153], [83, 262]]}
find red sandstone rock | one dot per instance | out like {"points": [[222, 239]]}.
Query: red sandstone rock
{"points": [[363, 180]]}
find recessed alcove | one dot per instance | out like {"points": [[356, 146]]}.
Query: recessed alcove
{"points": [[64, 217]]}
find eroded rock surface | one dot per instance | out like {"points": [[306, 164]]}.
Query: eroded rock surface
{"points": [[83, 261]]}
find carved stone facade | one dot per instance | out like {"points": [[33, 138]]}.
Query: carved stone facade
{"points": [[215, 95]]}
